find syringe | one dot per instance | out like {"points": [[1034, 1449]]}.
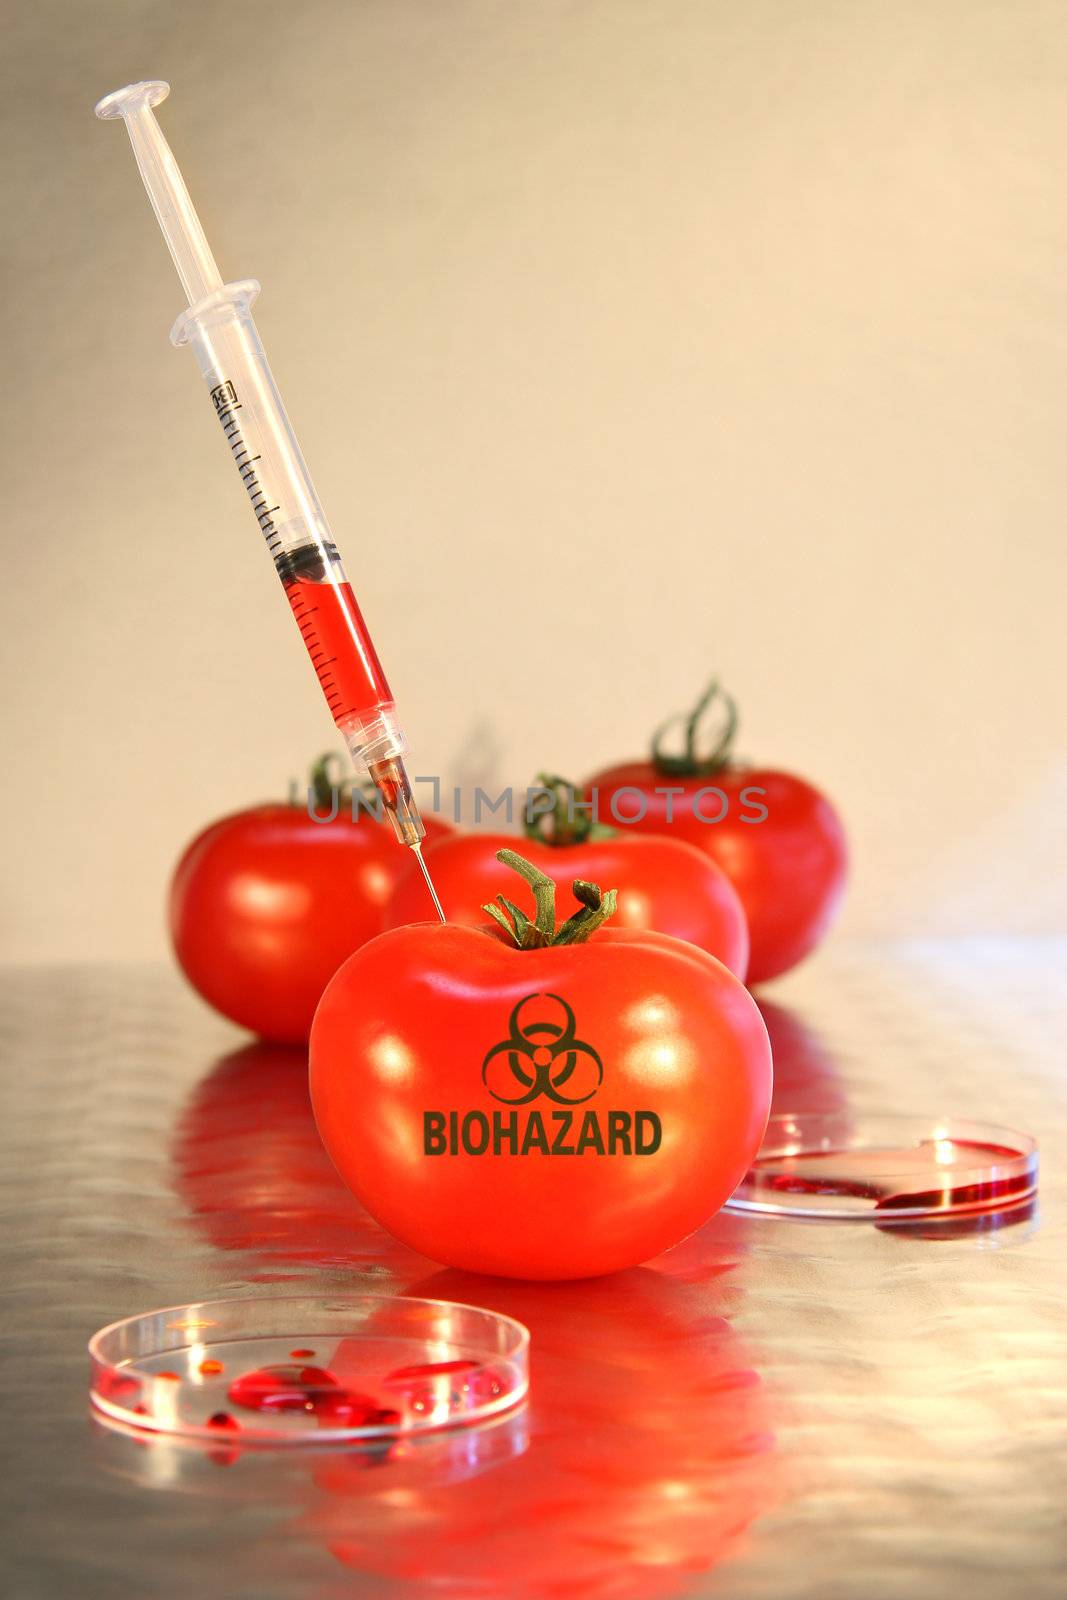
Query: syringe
{"points": [[219, 326]]}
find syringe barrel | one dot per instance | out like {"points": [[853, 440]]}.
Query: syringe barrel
{"points": [[222, 333]]}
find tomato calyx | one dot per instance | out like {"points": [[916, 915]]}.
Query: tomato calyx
{"points": [[569, 822], [595, 908], [690, 762]]}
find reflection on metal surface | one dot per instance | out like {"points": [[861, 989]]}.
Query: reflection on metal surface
{"points": [[651, 1453], [646, 1452], [252, 1174], [1010, 1224], [807, 1076], [914, 1380]]}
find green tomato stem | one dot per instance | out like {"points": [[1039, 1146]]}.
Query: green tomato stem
{"points": [[690, 763], [567, 823]]}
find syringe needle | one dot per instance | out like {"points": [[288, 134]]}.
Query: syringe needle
{"points": [[429, 882]]}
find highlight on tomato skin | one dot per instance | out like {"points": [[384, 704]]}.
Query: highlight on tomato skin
{"points": [[778, 839], [568, 1105]]}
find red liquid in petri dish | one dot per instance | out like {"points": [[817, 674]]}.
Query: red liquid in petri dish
{"points": [[339, 646], [309, 1389], [931, 1176], [285, 1388]]}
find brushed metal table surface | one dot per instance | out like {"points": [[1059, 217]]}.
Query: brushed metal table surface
{"points": [[775, 1409]]}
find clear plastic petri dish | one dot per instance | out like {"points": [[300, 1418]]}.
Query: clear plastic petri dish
{"points": [[298, 1370], [886, 1168]]}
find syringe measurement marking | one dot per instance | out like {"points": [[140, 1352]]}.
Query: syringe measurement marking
{"points": [[343, 691], [234, 438]]}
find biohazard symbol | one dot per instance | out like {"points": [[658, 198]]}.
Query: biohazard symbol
{"points": [[542, 1056]]}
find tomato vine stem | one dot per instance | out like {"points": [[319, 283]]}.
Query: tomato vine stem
{"points": [[568, 822], [690, 763]]}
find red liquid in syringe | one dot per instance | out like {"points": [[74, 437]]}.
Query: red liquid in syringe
{"points": [[339, 646]]}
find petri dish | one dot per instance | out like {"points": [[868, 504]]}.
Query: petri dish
{"points": [[886, 1168], [308, 1369]]}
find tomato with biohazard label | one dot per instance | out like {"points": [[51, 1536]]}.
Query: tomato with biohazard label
{"points": [[539, 1100]]}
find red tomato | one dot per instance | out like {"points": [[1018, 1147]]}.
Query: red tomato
{"points": [[779, 841], [663, 885], [266, 904], [554, 1112]]}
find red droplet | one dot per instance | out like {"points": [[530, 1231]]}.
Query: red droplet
{"points": [[171, 1377], [222, 1419], [210, 1368], [347, 1409], [460, 1383], [382, 1418], [408, 1377], [285, 1388], [301, 1355], [310, 1389], [117, 1386], [489, 1384]]}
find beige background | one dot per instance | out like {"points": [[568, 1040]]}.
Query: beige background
{"points": [[627, 339]]}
